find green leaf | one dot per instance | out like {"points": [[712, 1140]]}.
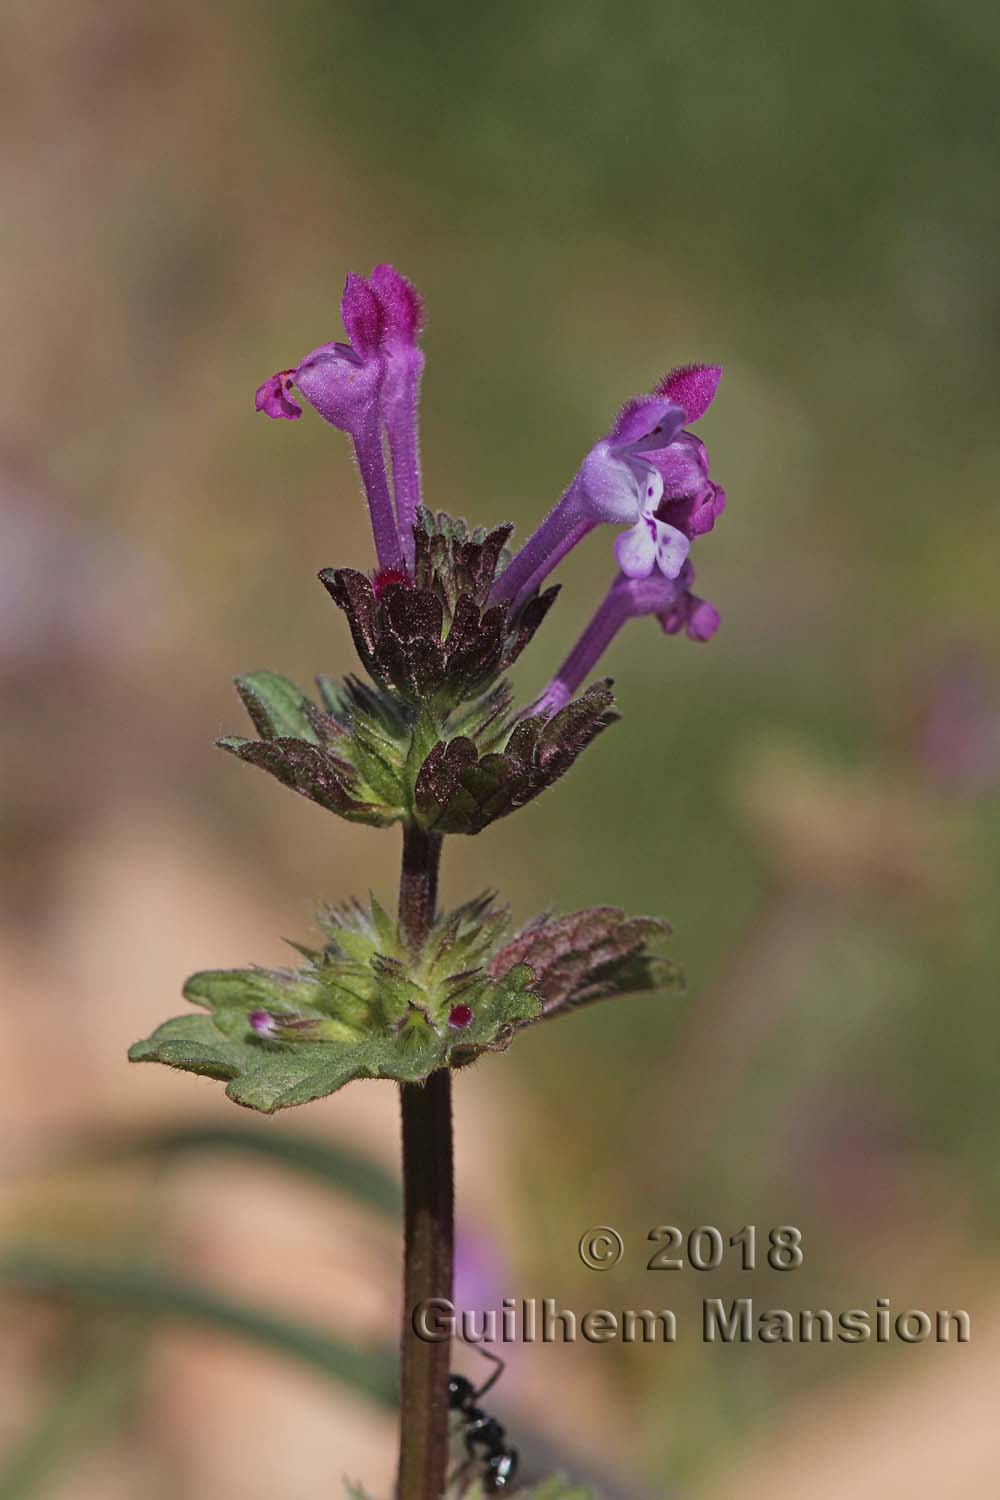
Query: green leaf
{"points": [[153, 1293], [347, 756], [260, 1074], [362, 1007], [277, 707]]}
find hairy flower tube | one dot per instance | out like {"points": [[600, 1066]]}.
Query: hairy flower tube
{"points": [[369, 388]]}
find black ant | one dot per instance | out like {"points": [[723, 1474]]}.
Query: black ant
{"points": [[484, 1437]]}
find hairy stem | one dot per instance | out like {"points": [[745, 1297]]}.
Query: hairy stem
{"points": [[428, 1216]]}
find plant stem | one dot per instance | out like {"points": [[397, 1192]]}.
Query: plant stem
{"points": [[428, 1216], [418, 883]]}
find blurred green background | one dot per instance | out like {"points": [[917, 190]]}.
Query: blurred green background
{"points": [[585, 194]]}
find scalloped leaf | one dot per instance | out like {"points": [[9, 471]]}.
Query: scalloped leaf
{"points": [[364, 1006], [268, 1075], [361, 1007]]}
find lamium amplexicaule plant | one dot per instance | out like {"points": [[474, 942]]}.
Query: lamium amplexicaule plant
{"points": [[430, 740]]}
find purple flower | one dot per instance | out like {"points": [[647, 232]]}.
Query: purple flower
{"points": [[369, 388], [285, 1026], [262, 1023], [688, 503], [343, 382], [696, 617], [651, 543], [646, 474], [669, 599]]}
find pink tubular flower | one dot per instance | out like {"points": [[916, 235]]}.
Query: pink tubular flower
{"points": [[670, 599], [647, 474], [368, 387], [651, 475]]}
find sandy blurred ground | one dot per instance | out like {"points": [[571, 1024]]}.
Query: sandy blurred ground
{"points": [[214, 1410], [928, 1430]]}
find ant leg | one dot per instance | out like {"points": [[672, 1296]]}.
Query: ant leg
{"points": [[500, 1367]]}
